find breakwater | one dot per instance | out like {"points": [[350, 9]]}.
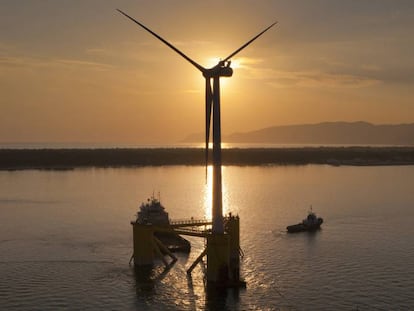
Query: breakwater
{"points": [[17, 159]]}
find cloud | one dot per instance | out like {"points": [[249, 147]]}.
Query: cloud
{"points": [[321, 79], [192, 91], [373, 68], [317, 72], [81, 63], [192, 44], [245, 62], [32, 62], [314, 79], [11, 61], [98, 52]]}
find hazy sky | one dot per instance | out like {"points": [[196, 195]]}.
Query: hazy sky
{"points": [[78, 71]]}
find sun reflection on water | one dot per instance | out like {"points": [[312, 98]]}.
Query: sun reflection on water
{"points": [[208, 193]]}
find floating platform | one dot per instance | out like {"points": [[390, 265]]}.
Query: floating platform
{"points": [[223, 251]]}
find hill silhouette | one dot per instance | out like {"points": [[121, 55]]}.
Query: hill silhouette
{"points": [[326, 133]]}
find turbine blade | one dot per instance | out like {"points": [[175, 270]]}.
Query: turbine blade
{"points": [[199, 67], [248, 42], [209, 102]]}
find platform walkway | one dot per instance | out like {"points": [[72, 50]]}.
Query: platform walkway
{"points": [[191, 227], [190, 223]]}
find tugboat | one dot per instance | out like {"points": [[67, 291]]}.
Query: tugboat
{"points": [[153, 212], [310, 223]]}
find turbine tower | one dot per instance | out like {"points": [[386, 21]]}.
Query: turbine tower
{"points": [[212, 106]]}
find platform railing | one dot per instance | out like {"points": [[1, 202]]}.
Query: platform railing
{"points": [[190, 222]]}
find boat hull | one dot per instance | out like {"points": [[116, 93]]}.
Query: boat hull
{"points": [[174, 242]]}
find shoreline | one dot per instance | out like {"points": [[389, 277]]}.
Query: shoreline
{"points": [[67, 159]]}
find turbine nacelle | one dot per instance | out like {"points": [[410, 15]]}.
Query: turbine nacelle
{"points": [[222, 69]]}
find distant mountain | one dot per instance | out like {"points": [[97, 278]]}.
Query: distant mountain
{"points": [[326, 133]]}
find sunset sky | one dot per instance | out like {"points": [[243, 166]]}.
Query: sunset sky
{"points": [[78, 71]]}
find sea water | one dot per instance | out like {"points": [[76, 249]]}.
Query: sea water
{"points": [[66, 238]]}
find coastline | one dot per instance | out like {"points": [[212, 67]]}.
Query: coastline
{"points": [[66, 159]]}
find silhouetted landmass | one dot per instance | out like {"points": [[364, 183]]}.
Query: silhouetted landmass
{"points": [[17, 159], [327, 133]]}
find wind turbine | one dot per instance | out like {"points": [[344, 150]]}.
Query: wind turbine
{"points": [[212, 99]]}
